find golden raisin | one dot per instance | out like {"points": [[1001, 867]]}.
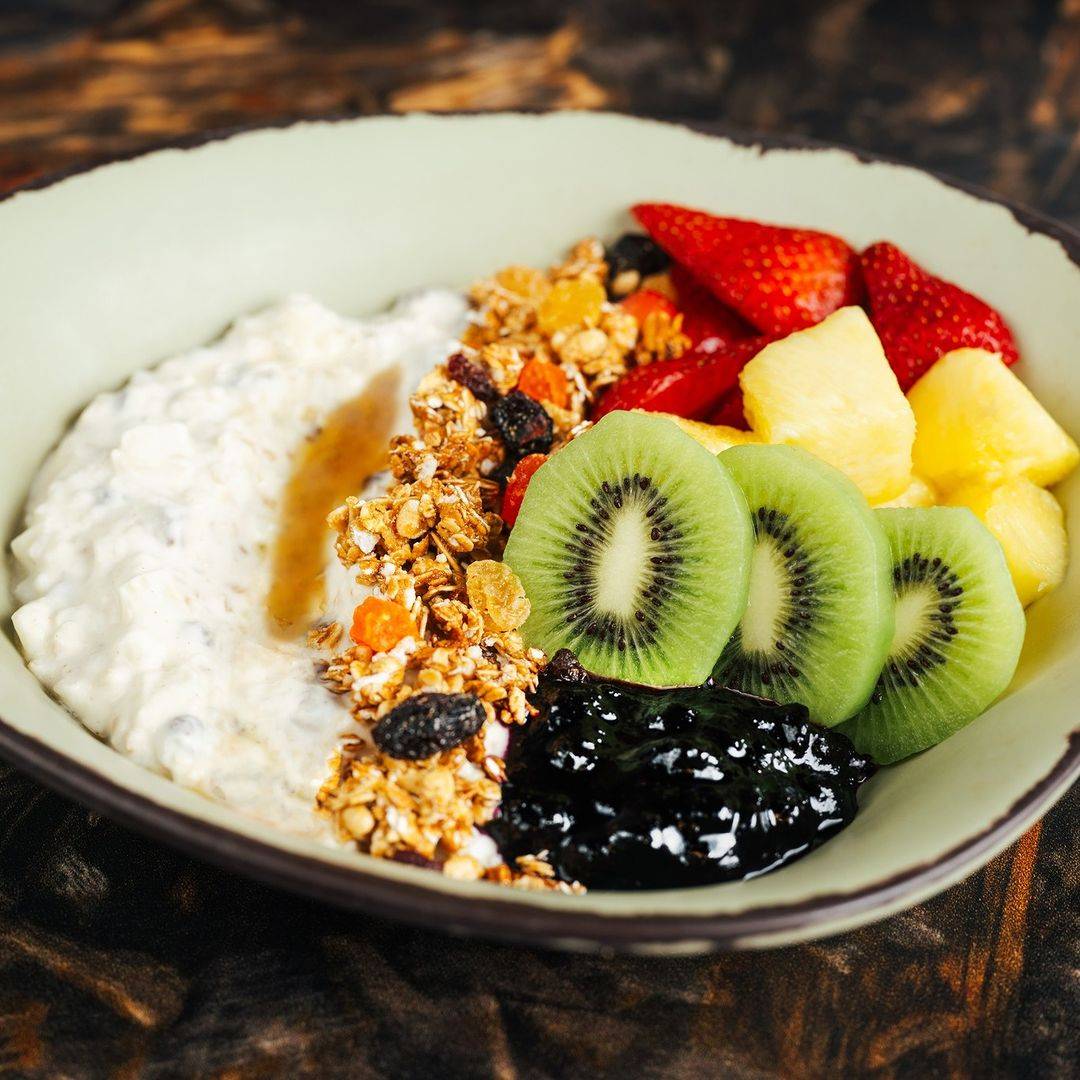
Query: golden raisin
{"points": [[380, 624], [571, 302], [525, 282], [496, 594]]}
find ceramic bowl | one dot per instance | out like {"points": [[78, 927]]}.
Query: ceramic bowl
{"points": [[112, 269]]}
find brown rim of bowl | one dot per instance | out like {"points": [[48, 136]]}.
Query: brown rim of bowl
{"points": [[354, 887]]}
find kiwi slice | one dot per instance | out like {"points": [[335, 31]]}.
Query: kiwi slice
{"points": [[959, 630], [820, 615], [633, 544]]}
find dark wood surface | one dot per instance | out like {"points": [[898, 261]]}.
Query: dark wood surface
{"points": [[121, 958]]}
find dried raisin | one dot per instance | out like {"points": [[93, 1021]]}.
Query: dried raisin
{"points": [[523, 425], [424, 724]]}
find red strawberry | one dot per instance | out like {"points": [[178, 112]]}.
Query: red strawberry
{"points": [[518, 484], [778, 279], [920, 317], [689, 386], [730, 411], [704, 316]]}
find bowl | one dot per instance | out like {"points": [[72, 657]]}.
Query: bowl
{"points": [[109, 270]]}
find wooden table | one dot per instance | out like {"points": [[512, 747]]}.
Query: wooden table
{"points": [[120, 958]]}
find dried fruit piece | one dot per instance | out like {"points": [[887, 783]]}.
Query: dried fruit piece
{"points": [[920, 317], [633, 251], [522, 424], [645, 302], [380, 624], [776, 278], [544, 381], [571, 302], [424, 724], [473, 376], [497, 594], [517, 485], [524, 281]]}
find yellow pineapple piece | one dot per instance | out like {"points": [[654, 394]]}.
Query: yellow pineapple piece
{"points": [[830, 390], [714, 437], [977, 421], [918, 493], [1029, 524], [571, 302]]}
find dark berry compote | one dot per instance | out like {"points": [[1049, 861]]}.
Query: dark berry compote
{"points": [[627, 787]]}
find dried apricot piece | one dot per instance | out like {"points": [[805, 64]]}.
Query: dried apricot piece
{"points": [[380, 624], [644, 302], [544, 381], [571, 302]]}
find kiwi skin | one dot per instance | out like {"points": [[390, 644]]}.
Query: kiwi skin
{"points": [[952, 583], [633, 543]]}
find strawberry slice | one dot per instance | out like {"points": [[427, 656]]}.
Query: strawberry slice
{"points": [[704, 317], [730, 411], [518, 485], [691, 385], [920, 317], [778, 279]]}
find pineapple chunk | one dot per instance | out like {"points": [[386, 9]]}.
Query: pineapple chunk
{"points": [[978, 422], [830, 390], [918, 493], [714, 437], [1029, 525]]}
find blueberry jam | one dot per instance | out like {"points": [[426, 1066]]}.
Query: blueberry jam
{"points": [[627, 787]]}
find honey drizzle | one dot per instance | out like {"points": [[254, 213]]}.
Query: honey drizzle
{"points": [[335, 462]]}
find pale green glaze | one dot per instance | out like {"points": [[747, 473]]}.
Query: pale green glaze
{"points": [[109, 271]]}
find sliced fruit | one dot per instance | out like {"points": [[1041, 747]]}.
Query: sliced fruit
{"points": [[690, 386], [633, 544], [830, 390], [918, 493], [704, 317], [517, 485], [730, 411], [820, 615], [645, 302], [977, 421], [920, 317], [716, 438], [959, 630], [776, 278], [1030, 526]]}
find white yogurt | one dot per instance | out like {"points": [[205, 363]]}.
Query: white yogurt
{"points": [[144, 564]]}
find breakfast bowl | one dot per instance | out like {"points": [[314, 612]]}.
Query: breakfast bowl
{"points": [[109, 271]]}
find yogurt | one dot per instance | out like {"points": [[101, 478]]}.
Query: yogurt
{"points": [[144, 567]]}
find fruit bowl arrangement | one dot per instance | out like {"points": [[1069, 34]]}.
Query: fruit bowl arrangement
{"points": [[817, 503]]}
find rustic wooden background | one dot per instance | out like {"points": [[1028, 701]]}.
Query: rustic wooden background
{"points": [[120, 958]]}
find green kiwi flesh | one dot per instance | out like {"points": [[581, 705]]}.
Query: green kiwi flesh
{"points": [[633, 543], [819, 619], [959, 631]]}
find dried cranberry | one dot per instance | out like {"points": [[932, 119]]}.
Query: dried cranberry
{"points": [[523, 424], [424, 724], [473, 376]]}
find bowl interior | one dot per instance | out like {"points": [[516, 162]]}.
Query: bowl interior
{"points": [[109, 271]]}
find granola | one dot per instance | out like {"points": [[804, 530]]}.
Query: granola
{"points": [[432, 544]]}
